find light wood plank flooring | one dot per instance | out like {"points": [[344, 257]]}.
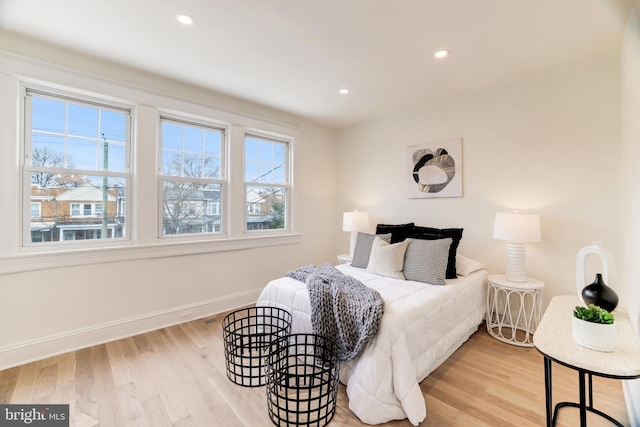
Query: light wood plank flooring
{"points": [[176, 377]]}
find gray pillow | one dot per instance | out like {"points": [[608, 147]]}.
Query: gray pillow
{"points": [[426, 260], [362, 251]]}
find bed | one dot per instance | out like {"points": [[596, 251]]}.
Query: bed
{"points": [[421, 327]]}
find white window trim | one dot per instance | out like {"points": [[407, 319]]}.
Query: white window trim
{"points": [[73, 95], [94, 211], [144, 244], [288, 187], [251, 208], [213, 208], [223, 181], [44, 260], [39, 210]]}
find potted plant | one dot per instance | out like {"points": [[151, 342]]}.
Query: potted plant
{"points": [[594, 328]]}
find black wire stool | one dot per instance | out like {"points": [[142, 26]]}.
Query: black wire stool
{"points": [[247, 334], [302, 380]]}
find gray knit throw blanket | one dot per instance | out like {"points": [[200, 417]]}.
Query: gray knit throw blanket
{"points": [[342, 308]]}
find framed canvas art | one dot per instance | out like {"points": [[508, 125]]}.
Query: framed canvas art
{"points": [[435, 169]]}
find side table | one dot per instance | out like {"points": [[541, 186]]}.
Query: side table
{"points": [[513, 307], [554, 340]]}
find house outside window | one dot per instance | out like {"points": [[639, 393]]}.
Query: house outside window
{"points": [[266, 182], [192, 177], [77, 162]]}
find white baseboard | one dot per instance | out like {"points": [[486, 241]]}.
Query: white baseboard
{"points": [[632, 397], [29, 351]]}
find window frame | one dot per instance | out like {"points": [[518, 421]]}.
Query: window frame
{"points": [[222, 181], [82, 209], [287, 187], [76, 97], [253, 208], [144, 103], [39, 205], [213, 208]]}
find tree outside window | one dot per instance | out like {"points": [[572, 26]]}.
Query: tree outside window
{"points": [[192, 178], [76, 164]]}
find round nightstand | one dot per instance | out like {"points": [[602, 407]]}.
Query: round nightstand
{"points": [[344, 259], [514, 309]]}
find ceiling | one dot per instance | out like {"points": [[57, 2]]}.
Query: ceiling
{"points": [[295, 55]]}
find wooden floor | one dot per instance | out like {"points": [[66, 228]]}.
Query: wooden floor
{"points": [[176, 377]]}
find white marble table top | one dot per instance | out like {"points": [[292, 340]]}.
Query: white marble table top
{"points": [[554, 338]]}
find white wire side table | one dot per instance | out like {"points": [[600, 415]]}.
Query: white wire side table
{"points": [[514, 309]]}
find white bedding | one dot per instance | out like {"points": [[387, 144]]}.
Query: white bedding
{"points": [[421, 327]]}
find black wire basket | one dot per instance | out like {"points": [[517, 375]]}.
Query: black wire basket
{"points": [[247, 335], [302, 380]]}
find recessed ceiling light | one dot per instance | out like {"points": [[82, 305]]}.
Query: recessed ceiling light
{"points": [[185, 19], [343, 91], [442, 53]]}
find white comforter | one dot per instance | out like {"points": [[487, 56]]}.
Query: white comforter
{"points": [[422, 326]]}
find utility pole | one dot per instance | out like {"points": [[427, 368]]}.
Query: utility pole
{"points": [[105, 190]]}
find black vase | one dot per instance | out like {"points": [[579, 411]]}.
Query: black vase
{"points": [[598, 293]]}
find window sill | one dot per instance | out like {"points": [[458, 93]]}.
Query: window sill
{"points": [[69, 258]]}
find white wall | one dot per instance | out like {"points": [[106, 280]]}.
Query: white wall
{"points": [[630, 72], [47, 311], [550, 146]]}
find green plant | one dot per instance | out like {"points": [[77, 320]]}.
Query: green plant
{"points": [[594, 314]]}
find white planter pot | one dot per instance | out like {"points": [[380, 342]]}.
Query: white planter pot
{"points": [[595, 336]]}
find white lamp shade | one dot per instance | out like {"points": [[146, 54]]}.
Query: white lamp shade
{"points": [[517, 227], [355, 221]]}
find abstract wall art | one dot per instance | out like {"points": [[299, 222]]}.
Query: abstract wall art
{"points": [[435, 169]]}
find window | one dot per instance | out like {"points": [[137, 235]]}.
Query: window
{"points": [[213, 208], [121, 206], [192, 177], [35, 210], [86, 209], [83, 234], [81, 143], [266, 183], [76, 162], [253, 208]]}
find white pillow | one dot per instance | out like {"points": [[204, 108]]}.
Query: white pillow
{"points": [[387, 259], [362, 251], [465, 266]]}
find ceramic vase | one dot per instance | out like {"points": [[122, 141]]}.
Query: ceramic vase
{"points": [[598, 293], [607, 268]]}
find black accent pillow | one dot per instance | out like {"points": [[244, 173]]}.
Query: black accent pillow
{"points": [[399, 232], [428, 233]]}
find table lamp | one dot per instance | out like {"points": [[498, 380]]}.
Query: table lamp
{"points": [[353, 222], [517, 229]]}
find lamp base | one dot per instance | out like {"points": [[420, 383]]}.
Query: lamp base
{"points": [[516, 271], [352, 243]]}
